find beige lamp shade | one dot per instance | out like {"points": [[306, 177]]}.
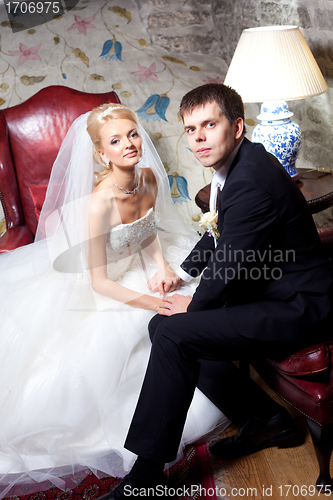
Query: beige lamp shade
{"points": [[274, 63]]}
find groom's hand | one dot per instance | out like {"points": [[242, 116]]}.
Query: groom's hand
{"points": [[174, 304]]}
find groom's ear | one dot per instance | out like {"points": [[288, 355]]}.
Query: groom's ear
{"points": [[238, 128]]}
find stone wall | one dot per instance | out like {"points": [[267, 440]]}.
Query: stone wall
{"points": [[181, 25], [203, 30], [213, 27], [78, 50]]}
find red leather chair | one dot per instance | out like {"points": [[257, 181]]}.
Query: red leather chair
{"points": [[31, 134], [304, 379]]}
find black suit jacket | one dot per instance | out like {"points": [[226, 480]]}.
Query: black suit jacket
{"points": [[268, 247]]}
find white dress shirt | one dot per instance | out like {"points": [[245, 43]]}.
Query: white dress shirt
{"points": [[217, 183]]}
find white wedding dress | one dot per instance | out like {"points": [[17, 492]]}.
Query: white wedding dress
{"points": [[71, 369]]}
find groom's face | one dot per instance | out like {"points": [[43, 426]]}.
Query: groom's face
{"points": [[211, 136]]}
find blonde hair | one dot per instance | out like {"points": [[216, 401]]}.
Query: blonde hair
{"points": [[97, 118]]}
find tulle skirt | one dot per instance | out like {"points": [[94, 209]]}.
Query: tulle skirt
{"points": [[71, 368]]}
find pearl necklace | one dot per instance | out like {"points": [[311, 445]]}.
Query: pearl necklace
{"points": [[122, 189]]}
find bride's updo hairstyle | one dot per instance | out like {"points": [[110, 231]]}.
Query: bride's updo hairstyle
{"points": [[97, 118]]}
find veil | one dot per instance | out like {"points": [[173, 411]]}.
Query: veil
{"points": [[63, 219]]}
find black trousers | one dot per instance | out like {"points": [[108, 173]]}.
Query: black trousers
{"points": [[196, 349]]}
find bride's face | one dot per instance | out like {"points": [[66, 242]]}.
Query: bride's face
{"points": [[121, 142]]}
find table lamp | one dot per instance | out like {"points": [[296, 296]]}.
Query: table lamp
{"points": [[272, 65]]}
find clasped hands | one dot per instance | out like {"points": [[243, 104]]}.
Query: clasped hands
{"points": [[166, 281]]}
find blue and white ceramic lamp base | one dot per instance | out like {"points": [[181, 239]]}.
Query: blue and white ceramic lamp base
{"points": [[279, 134]]}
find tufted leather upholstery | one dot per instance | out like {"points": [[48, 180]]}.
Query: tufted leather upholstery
{"points": [[305, 381], [310, 361], [31, 134]]}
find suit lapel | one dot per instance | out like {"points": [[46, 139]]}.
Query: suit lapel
{"points": [[242, 153]]}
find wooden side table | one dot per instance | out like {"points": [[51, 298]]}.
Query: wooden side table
{"points": [[316, 186]]}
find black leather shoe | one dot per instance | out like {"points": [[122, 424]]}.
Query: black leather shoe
{"points": [[255, 435], [131, 487]]}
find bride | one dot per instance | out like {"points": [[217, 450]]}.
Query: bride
{"points": [[76, 303]]}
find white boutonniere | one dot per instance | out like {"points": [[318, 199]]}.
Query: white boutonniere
{"points": [[209, 222]]}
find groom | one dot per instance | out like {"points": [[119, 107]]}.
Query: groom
{"points": [[264, 292]]}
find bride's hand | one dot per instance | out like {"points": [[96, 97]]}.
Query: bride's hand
{"points": [[164, 281]]}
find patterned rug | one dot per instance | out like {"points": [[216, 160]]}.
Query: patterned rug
{"points": [[191, 478]]}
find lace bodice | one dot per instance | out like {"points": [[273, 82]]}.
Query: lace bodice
{"points": [[122, 252], [125, 239]]}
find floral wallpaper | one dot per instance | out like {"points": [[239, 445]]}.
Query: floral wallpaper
{"points": [[101, 45]]}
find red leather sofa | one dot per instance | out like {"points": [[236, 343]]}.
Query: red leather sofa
{"points": [[31, 134]]}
